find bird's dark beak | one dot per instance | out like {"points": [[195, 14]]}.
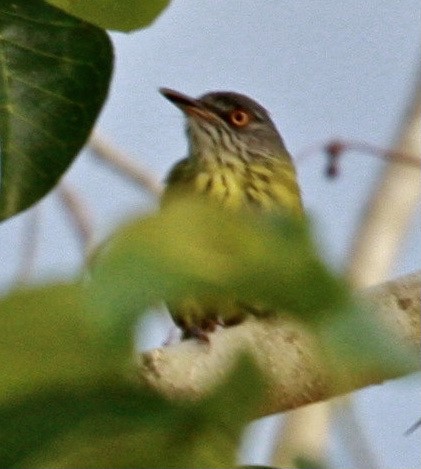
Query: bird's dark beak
{"points": [[190, 106]]}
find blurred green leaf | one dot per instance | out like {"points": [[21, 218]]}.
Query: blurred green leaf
{"points": [[355, 344], [233, 403], [109, 14], [305, 463], [117, 424], [54, 78], [48, 340], [53, 363], [68, 397], [55, 420], [194, 248], [256, 466]]}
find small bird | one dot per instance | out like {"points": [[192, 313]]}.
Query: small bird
{"points": [[236, 157]]}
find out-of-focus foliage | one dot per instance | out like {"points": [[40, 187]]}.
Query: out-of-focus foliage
{"points": [[197, 247], [67, 401], [68, 397]]}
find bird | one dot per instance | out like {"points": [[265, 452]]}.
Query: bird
{"points": [[237, 158]]}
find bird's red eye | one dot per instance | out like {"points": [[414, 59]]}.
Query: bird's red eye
{"points": [[239, 118]]}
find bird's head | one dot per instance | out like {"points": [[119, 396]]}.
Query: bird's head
{"points": [[227, 123]]}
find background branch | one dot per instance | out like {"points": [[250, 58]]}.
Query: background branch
{"points": [[124, 164], [392, 206], [30, 245], [374, 250], [80, 217]]}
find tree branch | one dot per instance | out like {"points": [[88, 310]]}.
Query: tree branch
{"points": [[285, 350], [80, 217], [124, 164], [30, 245]]}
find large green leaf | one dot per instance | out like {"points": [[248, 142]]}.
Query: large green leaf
{"points": [[110, 14], [54, 77]]}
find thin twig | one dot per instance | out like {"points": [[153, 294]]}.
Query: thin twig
{"points": [[124, 163], [413, 427], [79, 215], [336, 147], [30, 244]]}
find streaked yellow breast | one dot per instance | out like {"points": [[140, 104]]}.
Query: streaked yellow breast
{"points": [[270, 185]]}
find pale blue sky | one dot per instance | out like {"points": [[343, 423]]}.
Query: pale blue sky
{"points": [[323, 69]]}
